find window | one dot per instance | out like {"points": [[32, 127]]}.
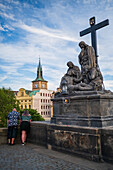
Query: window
{"points": [[40, 94], [41, 100], [43, 85], [22, 93], [29, 100], [21, 106], [29, 106], [25, 100], [25, 106], [36, 85], [21, 100]]}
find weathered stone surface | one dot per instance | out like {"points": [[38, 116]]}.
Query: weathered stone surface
{"points": [[76, 140], [3, 135], [107, 144], [93, 110], [38, 133]]}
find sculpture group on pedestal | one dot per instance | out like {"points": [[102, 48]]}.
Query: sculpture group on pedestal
{"points": [[89, 78]]}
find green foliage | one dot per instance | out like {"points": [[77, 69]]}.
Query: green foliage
{"points": [[35, 116], [7, 103]]}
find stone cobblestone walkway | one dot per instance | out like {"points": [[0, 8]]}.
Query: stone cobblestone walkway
{"points": [[33, 157]]}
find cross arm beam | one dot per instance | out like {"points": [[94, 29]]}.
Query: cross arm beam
{"points": [[102, 24], [84, 32]]}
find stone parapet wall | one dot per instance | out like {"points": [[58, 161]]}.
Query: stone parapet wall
{"points": [[38, 133], [92, 143], [3, 136], [85, 142], [107, 144]]}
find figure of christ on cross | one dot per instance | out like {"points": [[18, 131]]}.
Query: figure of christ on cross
{"points": [[92, 30]]}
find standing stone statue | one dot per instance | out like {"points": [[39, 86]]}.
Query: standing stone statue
{"points": [[89, 78], [87, 60], [90, 71]]}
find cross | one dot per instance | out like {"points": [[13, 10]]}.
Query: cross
{"points": [[92, 30]]}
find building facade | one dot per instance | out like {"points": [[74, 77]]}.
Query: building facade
{"points": [[24, 99], [42, 102], [39, 98]]}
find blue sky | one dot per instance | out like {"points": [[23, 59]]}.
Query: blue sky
{"points": [[50, 29]]}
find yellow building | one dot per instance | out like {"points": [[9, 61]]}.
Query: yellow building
{"points": [[24, 99]]}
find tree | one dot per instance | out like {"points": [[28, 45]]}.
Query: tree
{"points": [[35, 116], [7, 103]]}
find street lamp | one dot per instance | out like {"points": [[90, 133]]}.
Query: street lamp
{"points": [[64, 87]]}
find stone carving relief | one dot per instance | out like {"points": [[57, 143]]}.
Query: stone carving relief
{"points": [[89, 78]]}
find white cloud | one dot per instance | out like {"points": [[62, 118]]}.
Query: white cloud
{"points": [[16, 85], [2, 78], [87, 1], [50, 33], [8, 16], [8, 27], [1, 28], [108, 84], [11, 69], [4, 7]]}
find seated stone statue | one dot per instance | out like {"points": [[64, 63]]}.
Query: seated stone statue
{"points": [[95, 82], [73, 75]]}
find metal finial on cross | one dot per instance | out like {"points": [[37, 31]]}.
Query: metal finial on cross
{"points": [[92, 30]]}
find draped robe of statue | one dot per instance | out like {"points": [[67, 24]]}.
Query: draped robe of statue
{"points": [[87, 60], [90, 77]]}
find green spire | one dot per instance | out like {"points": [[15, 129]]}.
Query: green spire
{"points": [[39, 73]]}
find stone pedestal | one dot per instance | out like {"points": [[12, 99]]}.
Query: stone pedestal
{"points": [[90, 109]]}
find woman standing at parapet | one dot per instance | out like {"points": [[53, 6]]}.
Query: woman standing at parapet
{"points": [[25, 126]]}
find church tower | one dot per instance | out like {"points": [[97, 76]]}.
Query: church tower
{"points": [[39, 82]]}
